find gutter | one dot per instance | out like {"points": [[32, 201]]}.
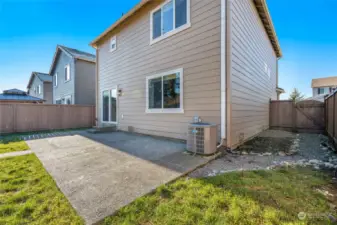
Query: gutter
{"points": [[223, 71]]}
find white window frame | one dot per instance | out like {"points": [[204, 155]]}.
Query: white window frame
{"points": [[66, 79], [58, 99], [163, 110], [39, 89], [114, 38], [109, 113], [56, 76], [175, 30], [65, 99]]}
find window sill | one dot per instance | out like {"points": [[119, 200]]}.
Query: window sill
{"points": [[109, 122], [112, 50], [171, 33], [168, 111]]}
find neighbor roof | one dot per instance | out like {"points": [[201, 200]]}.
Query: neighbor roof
{"points": [[261, 6], [44, 77], [324, 82], [18, 95], [74, 53]]}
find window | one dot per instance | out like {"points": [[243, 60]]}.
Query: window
{"points": [[55, 80], [169, 18], [38, 89], [113, 44], [67, 100], [109, 110], [58, 101], [67, 73], [165, 92], [320, 91]]}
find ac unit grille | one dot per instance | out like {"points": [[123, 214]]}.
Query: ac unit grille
{"points": [[196, 141]]}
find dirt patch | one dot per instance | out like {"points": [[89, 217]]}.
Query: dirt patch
{"points": [[262, 144]]}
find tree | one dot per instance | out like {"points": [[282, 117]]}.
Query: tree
{"points": [[296, 95]]}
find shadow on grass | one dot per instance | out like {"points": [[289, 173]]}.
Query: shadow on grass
{"points": [[254, 197]]}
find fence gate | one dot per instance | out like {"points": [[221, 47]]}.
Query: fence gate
{"points": [[303, 116]]}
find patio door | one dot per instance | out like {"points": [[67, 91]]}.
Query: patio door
{"points": [[110, 104]]}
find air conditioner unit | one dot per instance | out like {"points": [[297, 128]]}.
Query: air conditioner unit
{"points": [[202, 138]]}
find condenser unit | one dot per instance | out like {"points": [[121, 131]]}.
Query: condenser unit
{"points": [[202, 138]]}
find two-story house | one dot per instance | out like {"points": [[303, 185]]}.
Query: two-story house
{"points": [[40, 86], [323, 86], [73, 74], [166, 62]]}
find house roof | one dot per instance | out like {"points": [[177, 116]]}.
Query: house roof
{"points": [[18, 95], [44, 77], [324, 82], [73, 53], [261, 7]]}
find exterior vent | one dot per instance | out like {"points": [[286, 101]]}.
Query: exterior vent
{"points": [[202, 138]]}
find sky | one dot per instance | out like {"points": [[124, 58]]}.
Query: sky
{"points": [[31, 29]]}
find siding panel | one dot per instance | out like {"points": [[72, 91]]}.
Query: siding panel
{"points": [[252, 88]]}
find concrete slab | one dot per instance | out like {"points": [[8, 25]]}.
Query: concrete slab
{"points": [[100, 173]]}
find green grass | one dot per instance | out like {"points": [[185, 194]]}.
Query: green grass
{"points": [[12, 145], [28, 195], [255, 197]]}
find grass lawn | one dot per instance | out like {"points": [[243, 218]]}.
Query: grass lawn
{"points": [[28, 195], [12, 145], [255, 197]]}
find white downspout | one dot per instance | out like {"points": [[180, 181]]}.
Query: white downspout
{"points": [[223, 72]]}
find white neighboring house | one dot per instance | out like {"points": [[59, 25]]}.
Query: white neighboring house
{"points": [[322, 87]]}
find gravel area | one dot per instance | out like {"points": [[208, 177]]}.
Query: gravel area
{"points": [[305, 150]]}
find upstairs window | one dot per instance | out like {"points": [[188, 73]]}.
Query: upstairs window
{"points": [[113, 44], [55, 80], [67, 73], [320, 91], [39, 89], [169, 18]]}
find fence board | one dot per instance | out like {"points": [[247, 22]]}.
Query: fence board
{"points": [[35, 117], [306, 116], [331, 116]]}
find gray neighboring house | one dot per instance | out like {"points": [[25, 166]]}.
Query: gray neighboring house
{"points": [[40, 86], [73, 74]]}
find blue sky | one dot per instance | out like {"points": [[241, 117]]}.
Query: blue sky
{"points": [[31, 29]]}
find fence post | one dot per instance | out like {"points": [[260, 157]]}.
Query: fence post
{"points": [[334, 116], [294, 117], [14, 117]]}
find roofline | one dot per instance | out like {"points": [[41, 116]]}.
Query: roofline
{"points": [[260, 5], [11, 100], [262, 8], [60, 47], [31, 79], [118, 22]]}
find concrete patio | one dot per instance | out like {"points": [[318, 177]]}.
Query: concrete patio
{"points": [[100, 173]]}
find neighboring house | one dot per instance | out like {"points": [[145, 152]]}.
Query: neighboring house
{"points": [[18, 96], [73, 74], [40, 85], [165, 62], [322, 87]]}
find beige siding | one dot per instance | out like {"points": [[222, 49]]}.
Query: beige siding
{"points": [[251, 87], [196, 50]]}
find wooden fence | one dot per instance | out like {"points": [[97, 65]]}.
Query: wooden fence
{"points": [[38, 117], [304, 116], [331, 116]]}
